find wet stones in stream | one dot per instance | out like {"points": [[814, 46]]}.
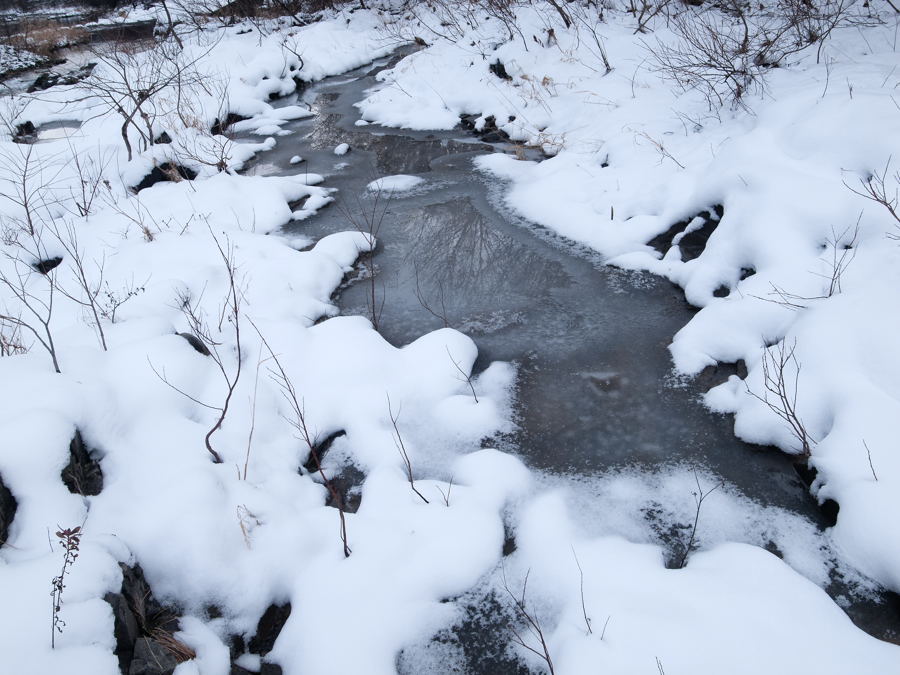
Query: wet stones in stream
{"points": [[82, 475], [488, 131], [50, 79], [393, 154]]}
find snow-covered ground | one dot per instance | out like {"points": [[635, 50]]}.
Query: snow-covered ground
{"points": [[223, 541]]}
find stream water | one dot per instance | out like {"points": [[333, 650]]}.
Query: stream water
{"points": [[595, 385]]}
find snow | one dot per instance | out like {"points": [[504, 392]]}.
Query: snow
{"points": [[296, 159], [621, 167], [13, 59], [395, 184]]}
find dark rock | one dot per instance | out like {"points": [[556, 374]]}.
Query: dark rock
{"points": [[50, 79], [467, 122], [320, 449], [712, 376], [691, 245], [8, 506], [490, 124], [82, 475], [509, 541], [165, 172], [268, 629], [125, 629], [236, 646], [497, 136], [345, 483], [605, 382], [264, 669], [151, 658], [195, 342], [489, 133], [219, 127], [498, 69], [722, 291], [26, 132], [44, 266], [162, 139], [746, 272], [830, 509], [144, 628], [663, 241], [44, 81]]}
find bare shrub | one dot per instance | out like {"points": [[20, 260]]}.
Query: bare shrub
{"points": [[142, 84], [11, 343], [230, 311], [532, 637], [367, 219], [87, 278], [70, 538], [401, 448], [644, 11], [781, 385], [32, 292], [725, 54], [699, 496], [466, 376], [299, 423], [881, 187], [840, 249]]}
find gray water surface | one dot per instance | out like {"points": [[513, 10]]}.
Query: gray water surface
{"points": [[596, 390]]}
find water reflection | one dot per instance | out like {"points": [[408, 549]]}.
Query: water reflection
{"points": [[455, 247]]}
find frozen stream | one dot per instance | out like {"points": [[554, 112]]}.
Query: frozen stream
{"points": [[595, 384]]}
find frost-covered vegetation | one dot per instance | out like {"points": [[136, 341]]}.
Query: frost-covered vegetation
{"points": [[181, 397]]}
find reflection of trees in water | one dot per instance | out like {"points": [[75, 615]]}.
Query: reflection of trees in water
{"points": [[453, 246]]}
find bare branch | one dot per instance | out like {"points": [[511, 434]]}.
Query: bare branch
{"points": [[401, 448]]}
